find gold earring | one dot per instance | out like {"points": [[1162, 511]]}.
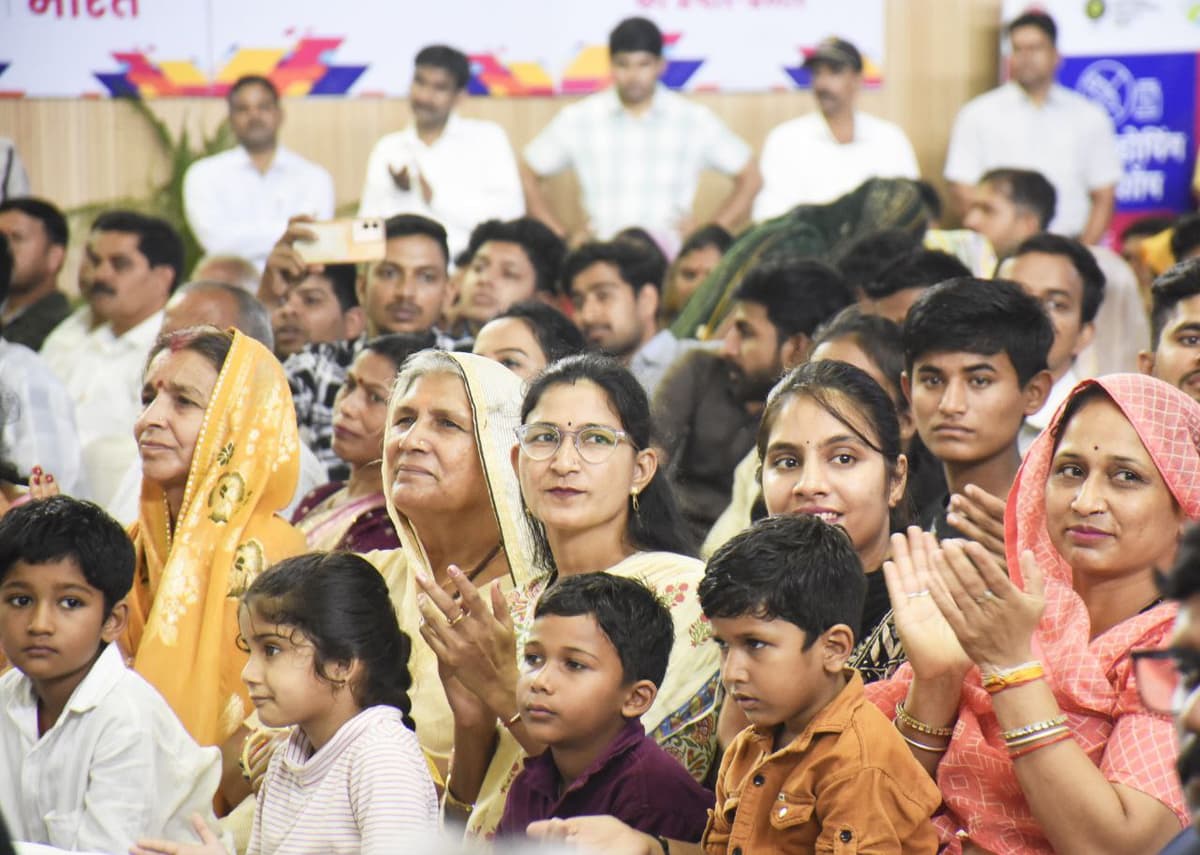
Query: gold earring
{"points": [[634, 498]]}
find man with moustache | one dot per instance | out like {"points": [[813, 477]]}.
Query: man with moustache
{"points": [[37, 237], [132, 263], [707, 409], [816, 158], [1174, 354], [455, 170], [408, 291], [237, 202]]}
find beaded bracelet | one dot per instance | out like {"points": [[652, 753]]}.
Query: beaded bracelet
{"points": [[1008, 678], [1062, 737], [1036, 727], [1034, 737], [932, 749], [920, 726]]}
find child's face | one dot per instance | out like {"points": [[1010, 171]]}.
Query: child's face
{"points": [[770, 676], [281, 674], [968, 407], [52, 622], [571, 690]]}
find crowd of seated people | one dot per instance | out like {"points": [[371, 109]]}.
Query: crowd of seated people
{"points": [[814, 528]]}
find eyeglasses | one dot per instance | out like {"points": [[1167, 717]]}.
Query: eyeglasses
{"points": [[595, 443], [1166, 678]]}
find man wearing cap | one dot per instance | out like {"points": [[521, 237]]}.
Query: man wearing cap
{"points": [[823, 155]]}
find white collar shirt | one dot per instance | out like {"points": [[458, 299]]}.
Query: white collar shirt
{"points": [[235, 209], [637, 170], [470, 168], [803, 163], [116, 766], [1067, 138]]}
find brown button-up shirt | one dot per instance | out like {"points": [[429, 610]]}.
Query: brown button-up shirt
{"points": [[847, 784]]}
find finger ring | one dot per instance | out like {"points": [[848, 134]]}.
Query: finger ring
{"points": [[462, 614], [912, 595], [988, 595], [984, 597]]}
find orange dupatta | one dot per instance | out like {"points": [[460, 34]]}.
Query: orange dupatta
{"points": [[183, 607], [1092, 678]]}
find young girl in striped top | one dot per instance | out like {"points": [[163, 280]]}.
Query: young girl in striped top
{"points": [[328, 659]]}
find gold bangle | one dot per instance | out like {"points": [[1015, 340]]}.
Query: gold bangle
{"points": [[452, 801], [932, 749], [1009, 678], [1034, 737], [1036, 727], [920, 726]]}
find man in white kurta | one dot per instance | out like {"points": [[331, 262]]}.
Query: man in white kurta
{"points": [[815, 158], [449, 168], [238, 202]]}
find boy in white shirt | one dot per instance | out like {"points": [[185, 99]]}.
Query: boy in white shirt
{"points": [[91, 756]]}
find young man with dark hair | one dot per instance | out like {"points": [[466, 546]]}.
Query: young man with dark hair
{"points": [[892, 294], [510, 262], [616, 287], [706, 412], [407, 291], [975, 368], [816, 158], [1033, 123], [237, 202], [676, 140], [91, 756], [455, 170], [132, 264], [320, 307], [1174, 356], [37, 237], [1185, 238], [1010, 205], [1064, 277], [700, 253]]}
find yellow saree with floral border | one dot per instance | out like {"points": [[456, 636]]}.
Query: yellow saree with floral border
{"points": [[183, 628]]}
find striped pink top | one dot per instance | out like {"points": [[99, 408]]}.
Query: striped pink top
{"points": [[365, 791]]}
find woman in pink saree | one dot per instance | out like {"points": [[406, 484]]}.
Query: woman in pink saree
{"points": [[1019, 696]]}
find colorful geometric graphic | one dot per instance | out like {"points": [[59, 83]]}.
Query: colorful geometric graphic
{"points": [[304, 70], [872, 74]]}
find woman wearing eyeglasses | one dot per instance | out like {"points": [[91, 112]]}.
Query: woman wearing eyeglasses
{"points": [[1022, 700], [591, 485]]}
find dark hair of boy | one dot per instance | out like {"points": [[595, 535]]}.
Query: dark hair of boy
{"points": [[635, 263], [793, 568], [1144, 227], [798, 294], [921, 268], [61, 528], [632, 618], [1026, 189], [1185, 238], [406, 225], [980, 316], [342, 281], [544, 249], [864, 259], [1034, 19], [1081, 259], [635, 34], [340, 603], [451, 60], [52, 219], [930, 199], [556, 334], [252, 80], [157, 239], [711, 235], [1178, 283]]}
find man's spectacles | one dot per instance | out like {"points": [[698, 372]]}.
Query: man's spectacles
{"points": [[595, 443], [1166, 678]]}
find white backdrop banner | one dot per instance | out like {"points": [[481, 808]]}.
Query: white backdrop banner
{"points": [[74, 48]]}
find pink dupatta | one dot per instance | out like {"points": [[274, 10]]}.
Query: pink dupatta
{"points": [[1092, 678]]}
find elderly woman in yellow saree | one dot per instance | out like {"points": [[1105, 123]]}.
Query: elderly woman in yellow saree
{"points": [[590, 482], [220, 456]]}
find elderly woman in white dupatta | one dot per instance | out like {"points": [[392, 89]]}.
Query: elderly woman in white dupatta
{"points": [[590, 481]]}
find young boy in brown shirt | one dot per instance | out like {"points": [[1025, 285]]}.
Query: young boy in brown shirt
{"points": [[820, 769]]}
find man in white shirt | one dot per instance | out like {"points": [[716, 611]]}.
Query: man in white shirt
{"points": [[819, 157], [455, 170], [1031, 122], [238, 202], [638, 150], [132, 263]]}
